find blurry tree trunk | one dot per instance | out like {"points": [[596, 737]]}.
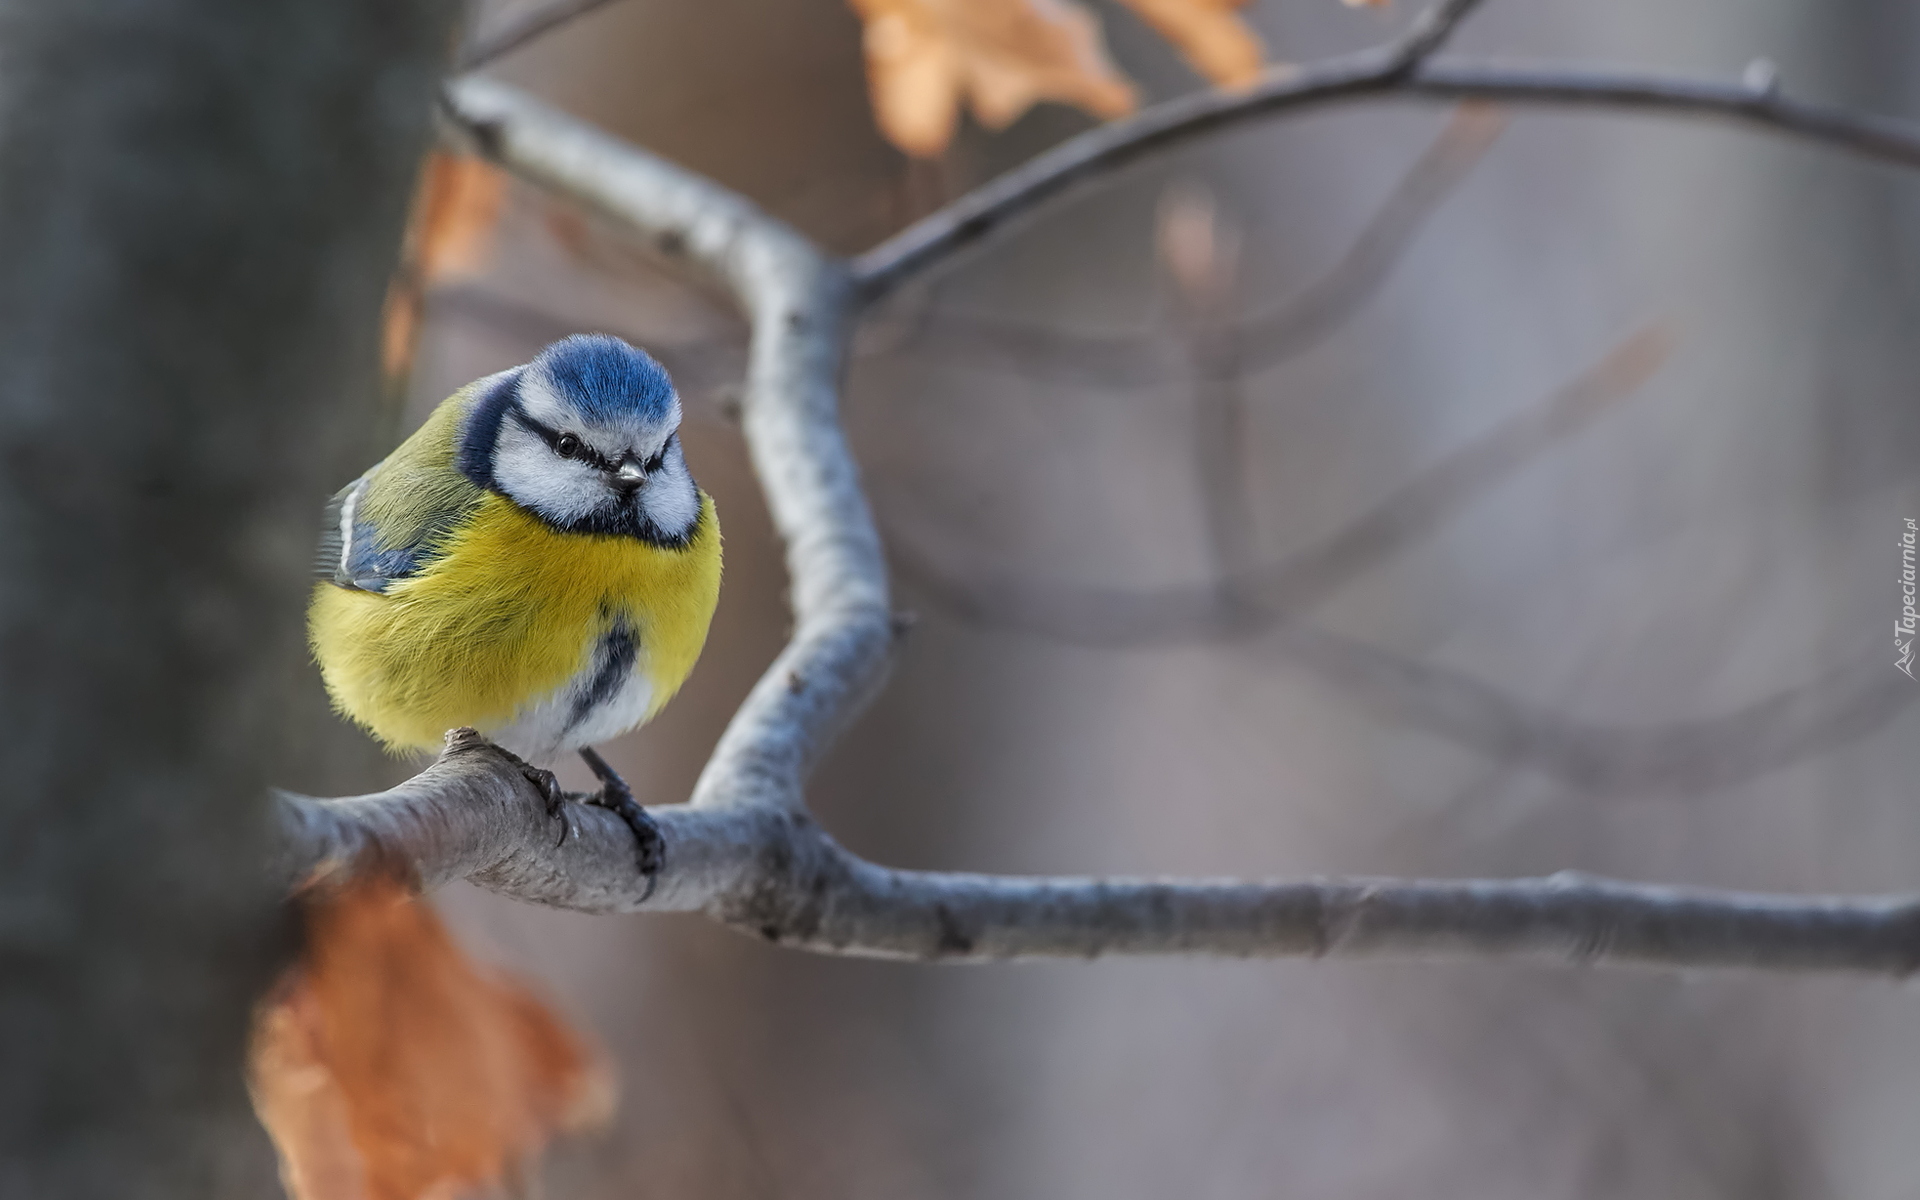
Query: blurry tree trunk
{"points": [[200, 201]]}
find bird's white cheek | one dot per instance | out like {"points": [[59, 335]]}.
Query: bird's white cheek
{"points": [[527, 471], [672, 503]]}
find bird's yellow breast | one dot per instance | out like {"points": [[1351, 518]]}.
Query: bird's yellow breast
{"points": [[506, 615]]}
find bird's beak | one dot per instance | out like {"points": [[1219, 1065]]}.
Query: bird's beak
{"points": [[629, 476]]}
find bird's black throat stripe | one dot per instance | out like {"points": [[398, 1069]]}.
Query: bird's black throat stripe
{"points": [[618, 653]]}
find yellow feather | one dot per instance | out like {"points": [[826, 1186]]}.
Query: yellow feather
{"points": [[511, 611]]}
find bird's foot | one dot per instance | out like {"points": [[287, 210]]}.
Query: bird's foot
{"points": [[548, 785], [614, 794]]}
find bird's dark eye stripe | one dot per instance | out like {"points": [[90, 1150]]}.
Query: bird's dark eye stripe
{"points": [[554, 439]]}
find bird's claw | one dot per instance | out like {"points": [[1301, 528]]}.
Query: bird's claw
{"points": [[646, 834], [547, 784], [617, 797]]}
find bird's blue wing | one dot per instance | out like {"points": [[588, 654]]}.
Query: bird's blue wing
{"points": [[380, 530], [393, 522], [351, 553]]}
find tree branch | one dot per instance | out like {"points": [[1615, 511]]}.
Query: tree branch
{"points": [[1369, 75], [778, 876], [746, 852]]}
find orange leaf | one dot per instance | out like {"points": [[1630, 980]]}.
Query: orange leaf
{"points": [[386, 1066], [455, 213], [1210, 35], [400, 326], [914, 78], [924, 57], [449, 234]]}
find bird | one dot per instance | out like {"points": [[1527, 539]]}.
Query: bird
{"points": [[535, 562]]}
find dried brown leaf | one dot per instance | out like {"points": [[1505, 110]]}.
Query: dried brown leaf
{"points": [[400, 327], [386, 1066], [925, 57], [456, 212], [913, 77]]}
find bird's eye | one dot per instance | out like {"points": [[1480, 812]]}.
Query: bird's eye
{"points": [[566, 446]]}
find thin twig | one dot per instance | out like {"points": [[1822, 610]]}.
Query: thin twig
{"points": [[517, 33], [1694, 755], [1267, 339], [1368, 75], [1324, 306], [1200, 246], [1255, 600], [1428, 31]]}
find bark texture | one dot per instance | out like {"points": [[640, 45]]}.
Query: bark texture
{"points": [[200, 201]]}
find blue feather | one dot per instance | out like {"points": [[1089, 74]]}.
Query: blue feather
{"points": [[606, 379]]}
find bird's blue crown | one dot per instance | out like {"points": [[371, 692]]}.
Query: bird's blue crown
{"points": [[610, 384], [606, 379]]}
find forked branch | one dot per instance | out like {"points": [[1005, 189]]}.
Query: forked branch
{"points": [[746, 852]]}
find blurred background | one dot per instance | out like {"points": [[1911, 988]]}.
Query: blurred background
{"points": [[1389, 490]]}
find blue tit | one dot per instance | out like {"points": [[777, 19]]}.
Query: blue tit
{"points": [[536, 562]]}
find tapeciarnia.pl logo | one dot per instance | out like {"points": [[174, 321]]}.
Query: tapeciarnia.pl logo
{"points": [[1903, 629]]}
